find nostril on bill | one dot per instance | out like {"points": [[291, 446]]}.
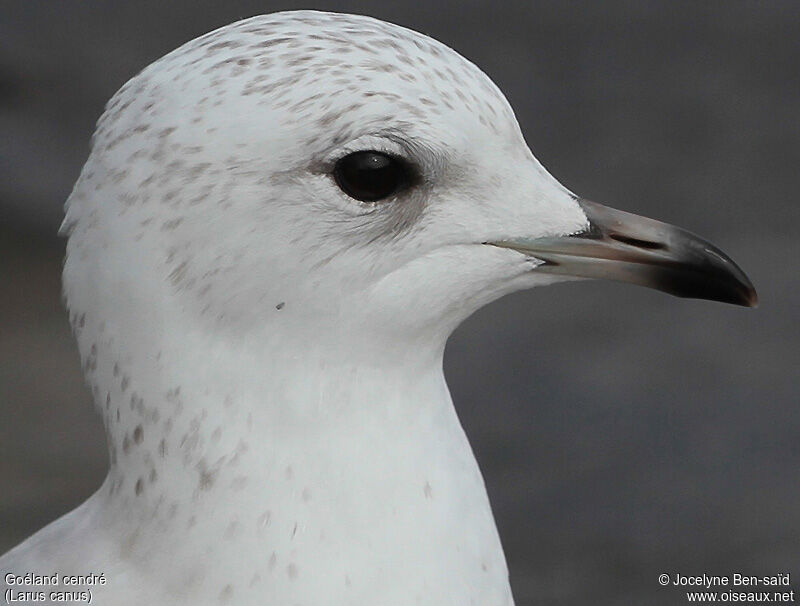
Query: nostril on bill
{"points": [[646, 244]]}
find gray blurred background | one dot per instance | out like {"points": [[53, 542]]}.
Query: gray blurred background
{"points": [[622, 433]]}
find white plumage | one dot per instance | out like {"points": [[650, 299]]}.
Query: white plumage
{"points": [[265, 350]]}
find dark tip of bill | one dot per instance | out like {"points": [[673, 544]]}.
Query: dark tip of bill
{"points": [[745, 296], [748, 297], [699, 285]]}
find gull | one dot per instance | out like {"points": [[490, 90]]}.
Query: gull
{"points": [[279, 225]]}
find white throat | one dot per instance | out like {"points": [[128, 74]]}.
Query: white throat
{"points": [[284, 472]]}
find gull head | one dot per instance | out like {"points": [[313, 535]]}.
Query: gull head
{"points": [[341, 176], [278, 226]]}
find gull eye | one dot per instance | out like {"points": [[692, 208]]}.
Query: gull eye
{"points": [[370, 176]]}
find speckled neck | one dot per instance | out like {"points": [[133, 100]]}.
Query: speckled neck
{"points": [[307, 465], [197, 415]]}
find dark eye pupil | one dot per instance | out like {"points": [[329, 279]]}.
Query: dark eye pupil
{"points": [[369, 175]]}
